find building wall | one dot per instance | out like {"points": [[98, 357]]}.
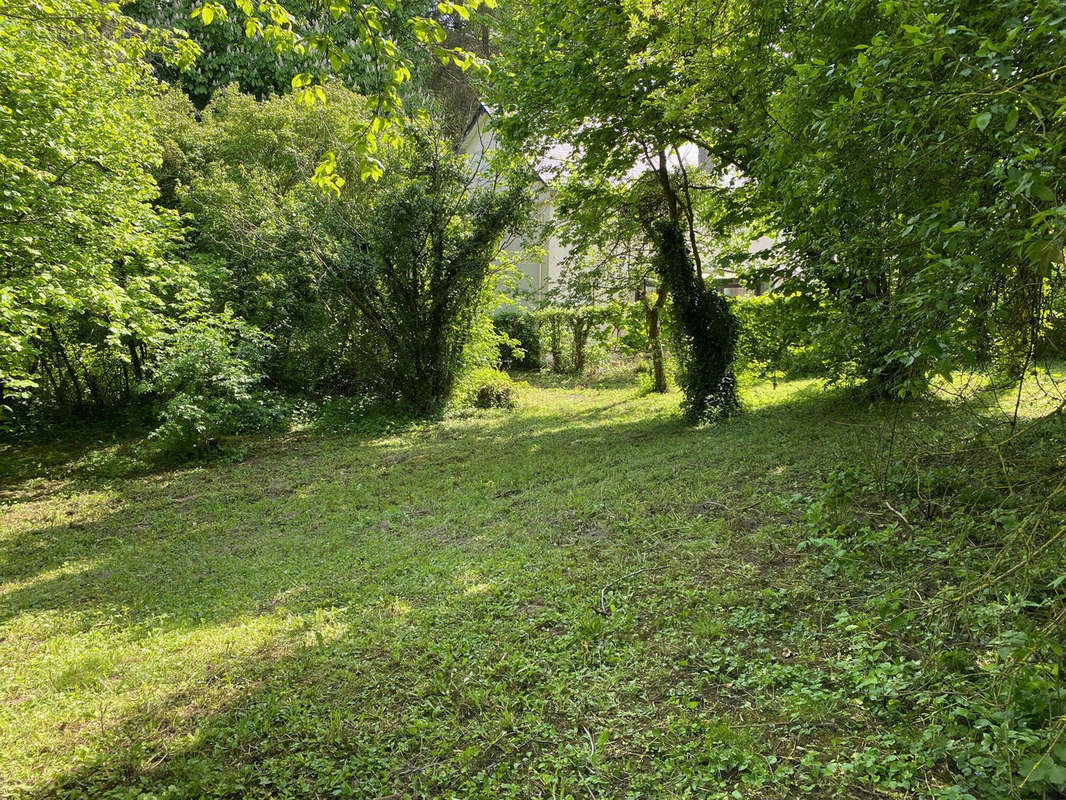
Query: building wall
{"points": [[539, 263]]}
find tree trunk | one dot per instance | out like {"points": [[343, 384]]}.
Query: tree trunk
{"points": [[705, 325], [655, 342], [135, 360], [62, 353], [556, 345], [580, 329]]}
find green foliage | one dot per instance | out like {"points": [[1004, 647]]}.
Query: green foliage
{"points": [[611, 260], [551, 321], [488, 388], [570, 330], [229, 56], [705, 333], [632, 330], [486, 341], [413, 257], [239, 170], [915, 165], [906, 156], [522, 348], [207, 381], [777, 335], [87, 272], [606, 90], [356, 43], [1052, 342], [378, 288]]}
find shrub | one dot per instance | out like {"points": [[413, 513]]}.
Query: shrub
{"points": [[570, 330], [521, 349], [488, 388], [486, 340], [239, 170], [415, 253], [87, 266], [630, 321], [494, 395], [207, 381], [777, 334]]}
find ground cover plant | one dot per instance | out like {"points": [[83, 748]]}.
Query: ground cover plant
{"points": [[584, 597]]}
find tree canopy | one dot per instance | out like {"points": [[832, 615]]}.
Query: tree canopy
{"points": [[82, 243]]}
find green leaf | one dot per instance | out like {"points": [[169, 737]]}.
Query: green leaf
{"points": [[982, 120], [1044, 192]]}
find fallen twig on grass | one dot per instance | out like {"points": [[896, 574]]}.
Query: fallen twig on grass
{"points": [[906, 521]]}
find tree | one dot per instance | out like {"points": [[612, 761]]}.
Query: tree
{"points": [[611, 258], [239, 171], [86, 265], [413, 255], [602, 78], [908, 154], [378, 287], [915, 170], [228, 55], [354, 38]]}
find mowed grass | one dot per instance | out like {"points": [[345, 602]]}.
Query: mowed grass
{"points": [[582, 598]]}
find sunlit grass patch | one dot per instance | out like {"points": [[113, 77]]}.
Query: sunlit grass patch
{"points": [[581, 598]]}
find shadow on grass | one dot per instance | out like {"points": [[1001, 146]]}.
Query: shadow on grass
{"points": [[83, 455], [282, 517], [200, 531], [387, 709], [447, 561]]}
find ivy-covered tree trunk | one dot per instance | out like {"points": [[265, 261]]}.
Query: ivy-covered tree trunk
{"points": [[705, 327]]}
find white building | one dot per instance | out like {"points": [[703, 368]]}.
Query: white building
{"points": [[540, 264]]}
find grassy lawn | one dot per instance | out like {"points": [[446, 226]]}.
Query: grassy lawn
{"points": [[583, 598]]}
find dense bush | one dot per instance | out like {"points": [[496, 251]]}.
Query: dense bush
{"points": [[240, 171], [917, 169], [778, 335], [487, 388], [631, 329], [522, 348], [229, 56], [88, 276], [412, 257], [207, 381], [381, 288]]}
